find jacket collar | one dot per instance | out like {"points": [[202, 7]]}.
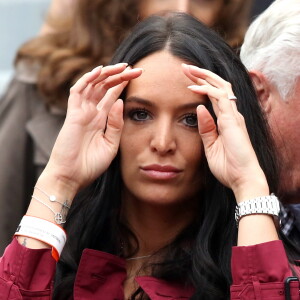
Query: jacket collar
{"points": [[158, 289], [102, 273]]}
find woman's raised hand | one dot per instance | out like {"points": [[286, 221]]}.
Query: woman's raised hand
{"points": [[231, 157], [90, 136]]}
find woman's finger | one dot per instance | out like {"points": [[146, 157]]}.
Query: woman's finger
{"points": [[96, 93], [114, 126], [115, 80], [114, 88], [209, 76], [110, 97], [214, 102], [124, 76], [87, 78], [195, 79], [210, 79], [86, 83], [233, 101], [109, 71], [207, 127], [218, 97]]}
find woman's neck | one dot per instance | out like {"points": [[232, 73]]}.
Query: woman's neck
{"points": [[155, 226]]}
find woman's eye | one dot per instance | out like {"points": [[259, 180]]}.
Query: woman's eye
{"points": [[139, 115], [190, 120]]}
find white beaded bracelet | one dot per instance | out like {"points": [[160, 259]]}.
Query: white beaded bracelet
{"points": [[44, 231]]}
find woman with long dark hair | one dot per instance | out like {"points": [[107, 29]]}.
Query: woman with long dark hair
{"points": [[161, 181]]}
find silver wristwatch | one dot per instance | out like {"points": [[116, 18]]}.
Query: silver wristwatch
{"points": [[261, 205]]}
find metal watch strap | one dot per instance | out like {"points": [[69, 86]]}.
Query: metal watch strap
{"points": [[261, 205]]}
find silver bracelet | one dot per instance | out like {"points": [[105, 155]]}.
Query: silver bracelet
{"points": [[261, 205], [53, 198], [58, 217]]}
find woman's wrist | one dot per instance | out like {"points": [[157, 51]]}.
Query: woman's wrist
{"points": [[253, 187], [36, 233], [51, 200], [52, 181], [256, 229], [52, 197]]}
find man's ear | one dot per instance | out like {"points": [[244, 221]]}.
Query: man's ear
{"points": [[263, 89]]}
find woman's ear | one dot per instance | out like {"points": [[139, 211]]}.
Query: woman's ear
{"points": [[263, 90]]}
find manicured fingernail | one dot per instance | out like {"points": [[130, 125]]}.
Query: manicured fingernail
{"points": [[200, 106], [121, 65], [194, 68], [190, 66], [139, 69], [194, 87], [134, 69], [97, 69]]}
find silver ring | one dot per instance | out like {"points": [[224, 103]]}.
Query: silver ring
{"points": [[233, 98]]}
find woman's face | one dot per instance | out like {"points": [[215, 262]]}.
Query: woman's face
{"points": [[206, 11], [160, 145]]}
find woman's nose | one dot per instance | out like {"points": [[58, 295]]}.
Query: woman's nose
{"points": [[163, 139]]}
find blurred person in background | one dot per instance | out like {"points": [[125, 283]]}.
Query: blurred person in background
{"points": [[230, 18], [272, 57], [76, 36]]}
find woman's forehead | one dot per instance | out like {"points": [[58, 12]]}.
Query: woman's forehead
{"points": [[162, 65], [162, 79], [162, 68]]}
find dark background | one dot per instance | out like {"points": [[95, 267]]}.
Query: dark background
{"points": [[259, 6]]}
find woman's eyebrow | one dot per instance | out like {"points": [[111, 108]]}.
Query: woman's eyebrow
{"points": [[192, 105], [134, 99]]}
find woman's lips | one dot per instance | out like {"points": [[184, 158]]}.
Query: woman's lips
{"points": [[160, 172]]}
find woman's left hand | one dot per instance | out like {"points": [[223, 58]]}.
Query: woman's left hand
{"points": [[231, 157]]}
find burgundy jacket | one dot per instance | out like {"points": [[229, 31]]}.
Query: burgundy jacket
{"points": [[258, 273]]}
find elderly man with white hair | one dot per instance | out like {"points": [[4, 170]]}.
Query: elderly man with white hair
{"points": [[271, 53]]}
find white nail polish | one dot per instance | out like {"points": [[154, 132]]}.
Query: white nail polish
{"points": [[194, 87], [121, 65], [139, 69], [97, 69]]}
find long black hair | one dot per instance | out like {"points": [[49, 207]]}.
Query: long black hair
{"points": [[94, 220]]}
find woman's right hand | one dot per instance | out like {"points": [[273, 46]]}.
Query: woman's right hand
{"points": [[90, 136], [85, 146]]}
